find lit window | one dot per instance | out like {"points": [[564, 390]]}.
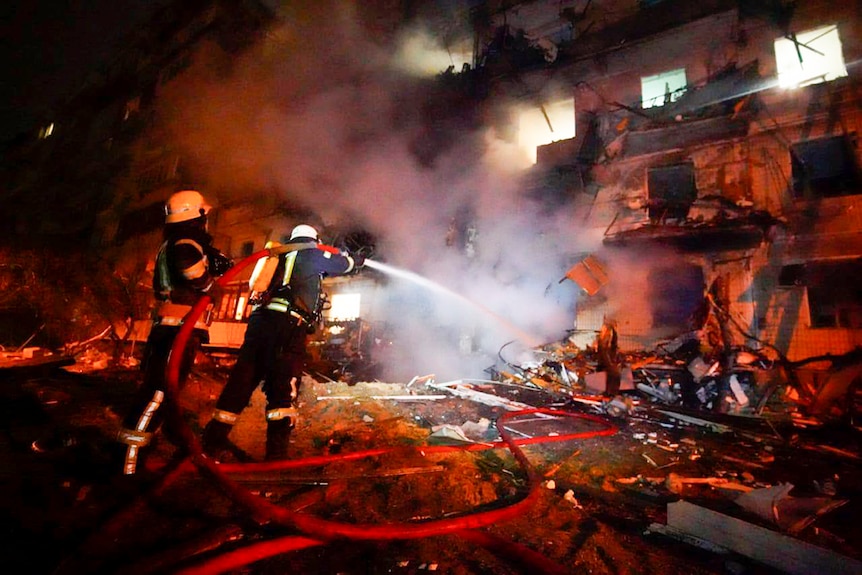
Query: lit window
{"points": [[815, 56], [421, 54], [345, 306], [546, 124], [663, 88], [240, 308], [46, 131]]}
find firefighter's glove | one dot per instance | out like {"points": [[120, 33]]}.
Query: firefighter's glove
{"points": [[219, 263], [358, 261]]}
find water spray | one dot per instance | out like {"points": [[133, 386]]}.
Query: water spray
{"points": [[520, 334]]}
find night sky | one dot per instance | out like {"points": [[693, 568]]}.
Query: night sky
{"points": [[47, 47]]}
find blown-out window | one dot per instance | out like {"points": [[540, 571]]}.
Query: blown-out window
{"points": [[825, 167], [834, 291], [809, 57], [672, 190], [676, 293], [544, 124]]}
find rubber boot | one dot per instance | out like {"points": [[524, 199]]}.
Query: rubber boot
{"points": [[214, 440], [277, 439]]}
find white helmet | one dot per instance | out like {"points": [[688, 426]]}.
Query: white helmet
{"points": [[185, 205], [303, 231]]}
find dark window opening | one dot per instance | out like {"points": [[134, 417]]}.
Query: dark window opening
{"points": [[677, 293], [247, 249], [158, 173], [835, 293], [824, 168], [140, 222], [672, 190], [792, 275]]}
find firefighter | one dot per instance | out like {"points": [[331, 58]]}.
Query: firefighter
{"points": [[187, 266], [274, 347]]}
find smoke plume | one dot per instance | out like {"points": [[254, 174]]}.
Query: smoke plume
{"points": [[326, 115]]}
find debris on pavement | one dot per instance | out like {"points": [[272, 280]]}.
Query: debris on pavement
{"points": [[721, 532], [675, 442], [790, 514]]}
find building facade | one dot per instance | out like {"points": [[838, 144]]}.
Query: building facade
{"points": [[713, 146]]}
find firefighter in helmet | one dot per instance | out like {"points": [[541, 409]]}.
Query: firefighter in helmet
{"points": [[274, 348], [187, 266]]}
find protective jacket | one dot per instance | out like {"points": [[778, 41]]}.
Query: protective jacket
{"points": [[186, 267], [273, 350], [296, 284]]}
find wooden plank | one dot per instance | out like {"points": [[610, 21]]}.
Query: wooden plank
{"points": [[455, 388], [668, 531], [420, 397], [287, 475], [763, 545], [34, 365]]}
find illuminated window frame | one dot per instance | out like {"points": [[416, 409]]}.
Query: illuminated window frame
{"points": [[664, 88], [46, 131], [239, 312], [345, 306], [545, 124], [816, 56]]}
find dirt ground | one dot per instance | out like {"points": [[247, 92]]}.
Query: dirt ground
{"points": [[67, 510]]}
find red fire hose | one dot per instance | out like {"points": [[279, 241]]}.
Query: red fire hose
{"points": [[322, 530]]}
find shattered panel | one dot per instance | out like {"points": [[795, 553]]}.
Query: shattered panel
{"points": [[589, 274]]}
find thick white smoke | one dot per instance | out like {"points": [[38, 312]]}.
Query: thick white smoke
{"points": [[326, 116]]}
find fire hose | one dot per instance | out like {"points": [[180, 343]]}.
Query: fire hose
{"points": [[319, 531]]}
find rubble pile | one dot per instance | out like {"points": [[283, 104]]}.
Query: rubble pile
{"points": [[695, 442], [686, 376]]}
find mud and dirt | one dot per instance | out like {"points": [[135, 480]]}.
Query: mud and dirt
{"points": [[67, 509]]}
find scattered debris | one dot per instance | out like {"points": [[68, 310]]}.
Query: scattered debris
{"points": [[462, 388], [721, 532], [32, 361], [713, 426], [791, 514], [447, 435], [415, 397], [676, 483]]}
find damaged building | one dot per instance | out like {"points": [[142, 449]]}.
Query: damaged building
{"points": [[677, 204], [713, 148], [706, 152]]}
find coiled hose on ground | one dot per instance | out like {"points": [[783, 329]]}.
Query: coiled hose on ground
{"points": [[318, 531]]}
